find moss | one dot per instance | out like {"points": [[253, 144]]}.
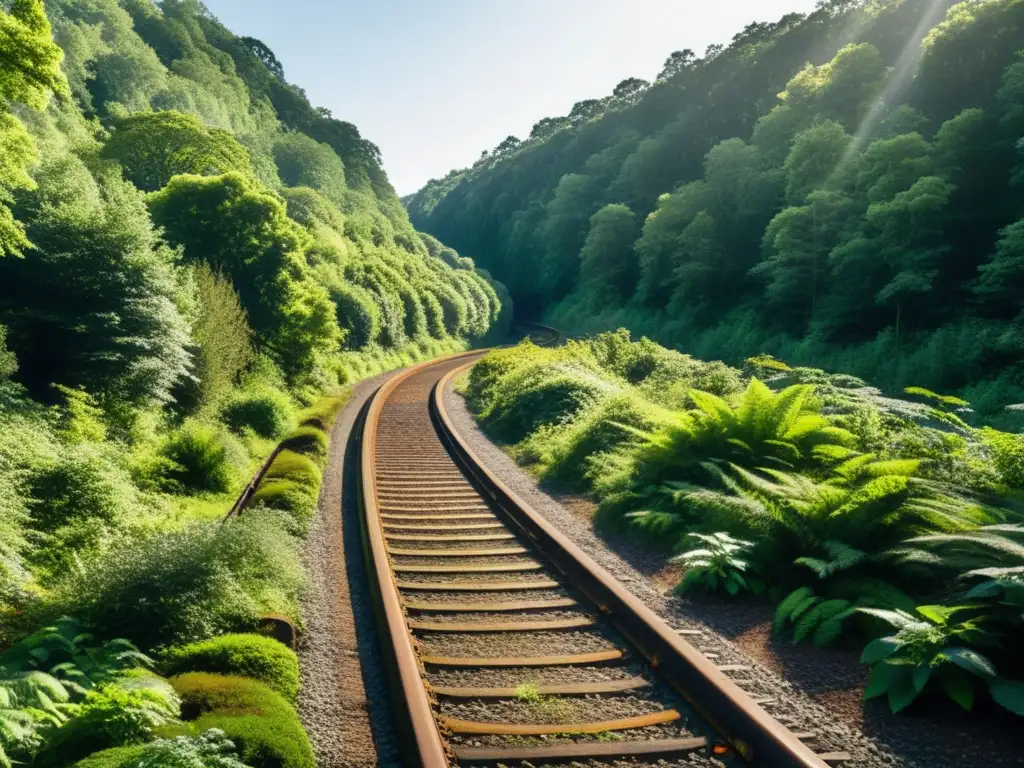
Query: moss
{"points": [[112, 758], [260, 658], [262, 724], [323, 414], [295, 468], [308, 441]]}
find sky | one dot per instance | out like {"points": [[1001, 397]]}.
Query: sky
{"points": [[434, 83]]}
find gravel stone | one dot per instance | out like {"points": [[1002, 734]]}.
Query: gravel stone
{"points": [[812, 689], [344, 701]]}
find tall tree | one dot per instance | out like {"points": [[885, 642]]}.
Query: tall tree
{"points": [[607, 262]]}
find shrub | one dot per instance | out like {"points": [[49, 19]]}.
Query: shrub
{"points": [[1008, 455], [201, 458], [599, 430], [111, 716], [358, 315], [208, 750], [295, 468], [296, 499], [323, 414], [260, 722], [266, 411], [187, 585], [522, 406], [308, 441], [261, 658]]}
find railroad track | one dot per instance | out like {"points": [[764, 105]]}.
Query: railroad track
{"points": [[506, 643], [541, 335]]}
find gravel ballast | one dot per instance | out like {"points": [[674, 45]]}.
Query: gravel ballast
{"points": [[344, 701], [810, 689]]}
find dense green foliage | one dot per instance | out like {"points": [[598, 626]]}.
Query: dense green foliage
{"points": [[841, 189], [195, 262], [260, 658], [261, 723], [842, 505]]}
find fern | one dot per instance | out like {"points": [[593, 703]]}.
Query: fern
{"points": [[813, 619], [788, 605], [832, 628]]}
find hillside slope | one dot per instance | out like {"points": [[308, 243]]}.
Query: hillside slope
{"points": [[841, 189]]}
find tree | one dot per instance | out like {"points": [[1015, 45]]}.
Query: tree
{"points": [[564, 231], [29, 72], [698, 263], [264, 54], [659, 243], [96, 302], [548, 126], [244, 232], [629, 89], [585, 110], [676, 63], [910, 242], [29, 59], [154, 147], [509, 145], [1000, 283], [303, 162], [889, 166], [607, 261], [813, 161]]}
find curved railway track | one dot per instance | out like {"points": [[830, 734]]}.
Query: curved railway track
{"points": [[505, 642]]}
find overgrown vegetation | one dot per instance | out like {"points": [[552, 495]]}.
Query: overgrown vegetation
{"points": [[195, 263], [841, 189], [847, 508]]}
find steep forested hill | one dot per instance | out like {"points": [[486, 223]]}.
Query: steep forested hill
{"points": [[171, 146], [842, 189]]}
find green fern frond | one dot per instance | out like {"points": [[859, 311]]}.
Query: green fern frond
{"points": [[714, 407], [788, 605], [820, 613], [831, 629]]}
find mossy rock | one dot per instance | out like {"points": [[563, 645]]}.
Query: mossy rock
{"points": [[260, 658]]}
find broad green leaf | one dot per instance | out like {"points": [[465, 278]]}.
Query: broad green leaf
{"points": [[901, 690], [881, 677], [879, 650], [1008, 694], [958, 686], [970, 661], [921, 675]]}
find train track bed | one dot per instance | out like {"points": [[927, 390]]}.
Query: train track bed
{"points": [[506, 661]]}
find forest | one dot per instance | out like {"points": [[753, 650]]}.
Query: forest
{"points": [[195, 265], [842, 189]]}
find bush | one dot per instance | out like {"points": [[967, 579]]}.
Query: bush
{"points": [[261, 658], [209, 750], [265, 411], [323, 414], [297, 500], [358, 315], [524, 406], [295, 468], [201, 458], [308, 441], [260, 722], [1008, 456], [111, 716], [187, 585]]}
